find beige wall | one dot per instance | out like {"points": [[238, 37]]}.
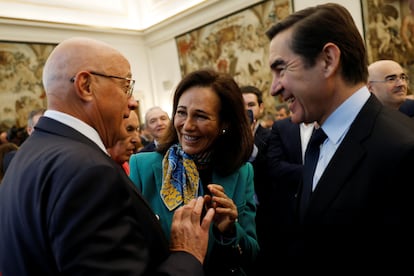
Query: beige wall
{"points": [[153, 53]]}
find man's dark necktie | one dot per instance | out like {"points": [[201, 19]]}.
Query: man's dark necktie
{"points": [[311, 159]]}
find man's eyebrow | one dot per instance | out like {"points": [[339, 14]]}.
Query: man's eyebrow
{"points": [[277, 62], [396, 75]]}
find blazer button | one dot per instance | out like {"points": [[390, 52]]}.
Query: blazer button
{"points": [[157, 216]]}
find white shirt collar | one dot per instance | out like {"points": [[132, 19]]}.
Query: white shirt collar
{"points": [[338, 123], [78, 125]]}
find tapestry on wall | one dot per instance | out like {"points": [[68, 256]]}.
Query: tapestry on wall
{"points": [[21, 89], [236, 44], [389, 32]]}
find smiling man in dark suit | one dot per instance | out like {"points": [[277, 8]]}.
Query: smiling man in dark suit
{"points": [[362, 179]]}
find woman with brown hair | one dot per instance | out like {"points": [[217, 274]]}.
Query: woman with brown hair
{"points": [[205, 152]]}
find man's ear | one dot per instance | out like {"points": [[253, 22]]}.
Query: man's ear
{"points": [[369, 85], [82, 82], [261, 108], [331, 56]]}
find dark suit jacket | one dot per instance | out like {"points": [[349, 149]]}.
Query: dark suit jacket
{"points": [[285, 168], [261, 138], [7, 159], [366, 186], [276, 229], [67, 208]]}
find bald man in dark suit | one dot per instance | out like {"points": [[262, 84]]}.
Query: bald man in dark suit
{"points": [[66, 208]]}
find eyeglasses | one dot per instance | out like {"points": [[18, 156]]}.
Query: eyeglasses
{"points": [[393, 79], [131, 82]]}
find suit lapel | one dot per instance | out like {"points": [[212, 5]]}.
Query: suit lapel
{"points": [[57, 128], [345, 160], [158, 174]]}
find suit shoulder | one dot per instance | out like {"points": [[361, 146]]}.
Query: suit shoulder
{"points": [[263, 131], [150, 156], [246, 168], [407, 107]]}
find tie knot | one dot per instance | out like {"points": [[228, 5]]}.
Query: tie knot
{"points": [[318, 136]]}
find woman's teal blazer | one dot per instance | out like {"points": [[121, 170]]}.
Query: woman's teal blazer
{"points": [[146, 173]]}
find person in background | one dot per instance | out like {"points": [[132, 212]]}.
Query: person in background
{"points": [[156, 121], [282, 111], [285, 156], [411, 6], [17, 135], [123, 149], [33, 118], [362, 181], [388, 81], [66, 208], [3, 137], [253, 101], [267, 120], [145, 135], [205, 152]]}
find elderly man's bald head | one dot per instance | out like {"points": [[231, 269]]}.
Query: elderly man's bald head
{"points": [[73, 55], [79, 80], [377, 67], [388, 81]]}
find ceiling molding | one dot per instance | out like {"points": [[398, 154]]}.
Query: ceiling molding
{"points": [[108, 15]]}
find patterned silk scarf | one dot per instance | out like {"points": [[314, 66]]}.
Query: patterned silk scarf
{"points": [[181, 181]]}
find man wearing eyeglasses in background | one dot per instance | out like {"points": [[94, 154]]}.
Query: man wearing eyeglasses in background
{"points": [[66, 208], [388, 81]]}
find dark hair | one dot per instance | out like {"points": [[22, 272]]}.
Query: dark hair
{"points": [[254, 90], [313, 27], [283, 106], [233, 148], [17, 135]]}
